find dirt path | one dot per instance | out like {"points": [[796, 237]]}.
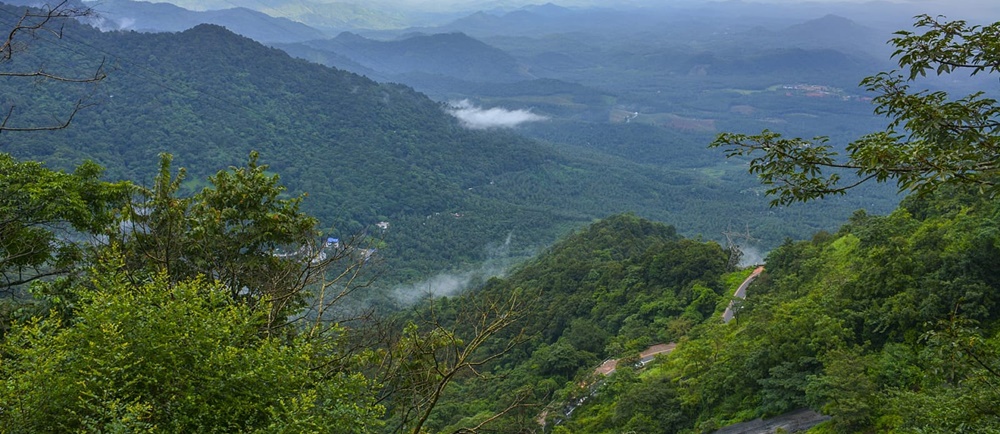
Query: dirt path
{"points": [[609, 366]]}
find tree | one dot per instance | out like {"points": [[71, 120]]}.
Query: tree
{"points": [[167, 343], [960, 389], [44, 216], [426, 357], [44, 213], [35, 24], [174, 357], [931, 140], [241, 233]]}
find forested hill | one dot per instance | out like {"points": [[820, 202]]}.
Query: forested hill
{"points": [[608, 291], [364, 152], [888, 325]]}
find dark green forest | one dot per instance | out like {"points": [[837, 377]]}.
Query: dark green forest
{"points": [[887, 324], [366, 152]]}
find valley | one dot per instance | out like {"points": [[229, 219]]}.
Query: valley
{"points": [[367, 152]]}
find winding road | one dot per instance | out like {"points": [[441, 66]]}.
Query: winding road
{"points": [[609, 366], [741, 293], [647, 356]]}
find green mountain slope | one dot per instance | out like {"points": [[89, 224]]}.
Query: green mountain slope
{"points": [[364, 152], [610, 290], [889, 325]]}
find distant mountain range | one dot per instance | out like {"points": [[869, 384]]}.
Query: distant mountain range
{"points": [[457, 51], [494, 17], [453, 55], [165, 17], [364, 152], [330, 17], [444, 64]]}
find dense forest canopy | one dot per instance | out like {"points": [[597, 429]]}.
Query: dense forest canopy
{"points": [[888, 325], [368, 152]]}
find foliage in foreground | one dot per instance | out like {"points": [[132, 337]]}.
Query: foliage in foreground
{"points": [[40, 209], [157, 357], [932, 139], [174, 317]]}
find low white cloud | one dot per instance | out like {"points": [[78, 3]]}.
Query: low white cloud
{"points": [[105, 24], [442, 285], [126, 23], [478, 118], [752, 256], [499, 260]]}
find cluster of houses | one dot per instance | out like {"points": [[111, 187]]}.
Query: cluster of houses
{"points": [[820, 91]]}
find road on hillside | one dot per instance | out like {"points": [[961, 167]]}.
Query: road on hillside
{"points": [[647, 356], [609, 366], [741, 293]]}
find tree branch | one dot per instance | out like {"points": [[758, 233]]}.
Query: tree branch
{"points": [[30, 23]]}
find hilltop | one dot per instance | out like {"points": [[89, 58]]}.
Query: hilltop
{"points": [[364, 152]]}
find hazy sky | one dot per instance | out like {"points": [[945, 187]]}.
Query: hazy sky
{"points": [[932, 6], [974, 10], [605, 3]]}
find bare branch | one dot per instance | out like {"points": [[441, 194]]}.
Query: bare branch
{"points": [[517, 403], [32, 23], [446, 345]]}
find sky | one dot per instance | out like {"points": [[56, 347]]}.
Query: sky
{"points": [[433, 4], [445, 10], [971, 8]]}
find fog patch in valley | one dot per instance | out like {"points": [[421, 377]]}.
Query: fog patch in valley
{"points": [[499, 260], [478, 118]]}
